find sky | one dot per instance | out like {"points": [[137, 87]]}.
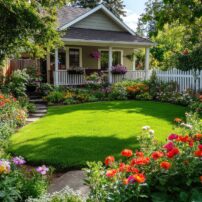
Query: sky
{"points": [[134, 9]]}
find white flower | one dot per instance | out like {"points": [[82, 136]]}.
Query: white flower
{"points": [[151, 132], [145, 127], [188, 126]]}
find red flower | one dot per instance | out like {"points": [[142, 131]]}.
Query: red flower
{"points": [[184, 138], [172, 137], [198, 137], [198, 153], [165, 165], [169, 146], [122, 167], [140, 161], [191, 143], [140, 178], [200, 147], [139, 154], [157, 154], [173, 152], [200, 178], [109, 160], [111, 173], [127, 153]]}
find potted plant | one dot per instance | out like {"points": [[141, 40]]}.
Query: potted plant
{"points": [[119, 69]]}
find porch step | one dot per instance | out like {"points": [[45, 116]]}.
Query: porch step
{"points": [[37, 101]]}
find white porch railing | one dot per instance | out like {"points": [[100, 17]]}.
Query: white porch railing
{"points": [[64, 78]]}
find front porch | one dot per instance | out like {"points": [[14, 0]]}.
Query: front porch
{"points": [[70, 65]]}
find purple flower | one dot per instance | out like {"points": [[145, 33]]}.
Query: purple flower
{"points": [[95, 55], [172, 137], [19, 160], [119, 69], [42, 169], [131, 179]]}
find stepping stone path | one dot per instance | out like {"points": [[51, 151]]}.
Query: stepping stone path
{"points": [[41, 109], [71, 179]]}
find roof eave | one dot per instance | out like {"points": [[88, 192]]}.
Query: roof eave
{"points": [[109, 43]]}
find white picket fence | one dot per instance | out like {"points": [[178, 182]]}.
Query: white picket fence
{"points": [[184, 79]]}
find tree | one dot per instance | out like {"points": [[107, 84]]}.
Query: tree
{"points": [[115, 6], [28, 26]]}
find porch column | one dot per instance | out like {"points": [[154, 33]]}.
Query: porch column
{"points": [[110, 65], [134, 59], [67, 57], [147, 63], [48, 67], [56, 68]]}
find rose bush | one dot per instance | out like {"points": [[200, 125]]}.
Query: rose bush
{"points": [[156, 172]]}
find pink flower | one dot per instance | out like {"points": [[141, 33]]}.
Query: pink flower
{"points": [[42, 169], [131, 179], [169, 146], [172, 137], [19, 160]]}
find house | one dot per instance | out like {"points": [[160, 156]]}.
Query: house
{"points": [[94, 41]]}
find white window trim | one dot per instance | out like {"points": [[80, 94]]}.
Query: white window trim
{"points": [[114, 50], [80, 56]]}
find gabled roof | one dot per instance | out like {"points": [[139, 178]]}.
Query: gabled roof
{"points": [[69, 16]]}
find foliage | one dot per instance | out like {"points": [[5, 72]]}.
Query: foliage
{"points": [[66, 195], [45, 88], [155, 172], [16, 84], [196, 105], [115, 6], [31, 27], [17, 183]]}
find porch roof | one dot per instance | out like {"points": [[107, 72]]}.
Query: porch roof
{"points": [[82, 36]]}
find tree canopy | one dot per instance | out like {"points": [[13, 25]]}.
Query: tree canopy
{"points": [[115, 6], [28, 26]]}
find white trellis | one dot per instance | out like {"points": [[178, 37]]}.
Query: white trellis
{"points": [[184, 79]]}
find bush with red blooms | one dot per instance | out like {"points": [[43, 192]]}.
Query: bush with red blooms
{"points": [[155, 172]]}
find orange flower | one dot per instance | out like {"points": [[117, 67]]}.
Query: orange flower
{"points": [[198, 153], [178, 120], [111, 173], [200, 178], [140, 178], [166, 165], [157, 154], [127, 153], [198, 137], [125, 181], [109, 160], [139, 154], [140, 161]]}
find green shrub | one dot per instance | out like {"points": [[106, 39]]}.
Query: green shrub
{"points": [[144, 96], [45, 89], [16, 84], [55, 97]]}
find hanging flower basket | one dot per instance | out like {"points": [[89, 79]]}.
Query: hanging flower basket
{"points": [[95, 55], [119, 69]]}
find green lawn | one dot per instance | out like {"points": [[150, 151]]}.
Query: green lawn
{"points": [[68, 136]]}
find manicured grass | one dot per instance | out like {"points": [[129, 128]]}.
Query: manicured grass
{"points": [[68, 136]]}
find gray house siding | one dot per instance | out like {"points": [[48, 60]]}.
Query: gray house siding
{"points": [[99, 21]]}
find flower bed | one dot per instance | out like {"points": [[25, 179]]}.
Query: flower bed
{"points": [[155, 172], [18, 182]]}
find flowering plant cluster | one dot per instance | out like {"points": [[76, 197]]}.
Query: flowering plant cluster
{"points": [[138, 88], [155, 172], [18, 182], [119, 69], [96, 55]]}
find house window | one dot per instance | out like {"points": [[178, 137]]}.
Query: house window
{"points": [[61, 58], [74, 58], [117, 58]]}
